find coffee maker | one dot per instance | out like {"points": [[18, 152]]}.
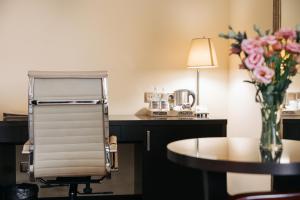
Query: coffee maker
{"points": [[182, 99]]}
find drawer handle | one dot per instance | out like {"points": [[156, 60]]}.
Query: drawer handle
{"points": [[148, 140]]}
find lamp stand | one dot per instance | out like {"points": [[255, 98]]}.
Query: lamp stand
{"points": [[198, 110], [197, 95]]}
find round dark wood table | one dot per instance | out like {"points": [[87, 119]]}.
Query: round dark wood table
{"points": [[216, 156]]}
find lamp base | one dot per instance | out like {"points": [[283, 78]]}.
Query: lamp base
{"points": [[201, 111], [202, 115]]}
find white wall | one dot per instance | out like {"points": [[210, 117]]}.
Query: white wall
{"points": [[142, 44], [243, 113], [290, 16]]}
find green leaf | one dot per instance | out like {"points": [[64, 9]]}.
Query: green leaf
{"points": [[247, 81], [223, 35], [269, 99], [245, 35], [240, 37], [231, 34], [298, 36], [257, 30], [270, 89], [257, 96]]}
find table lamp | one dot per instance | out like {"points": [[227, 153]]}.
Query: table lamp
{"points": [[202, 54]]}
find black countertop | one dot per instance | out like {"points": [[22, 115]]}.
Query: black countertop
{"points": [[147, 120], [21, 119]]}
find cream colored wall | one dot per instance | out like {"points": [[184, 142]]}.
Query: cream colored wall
{"points": [[142, 44], [290, 15], [243, 113]]}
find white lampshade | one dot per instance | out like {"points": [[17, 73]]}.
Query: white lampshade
{"points": [[202, 54]]}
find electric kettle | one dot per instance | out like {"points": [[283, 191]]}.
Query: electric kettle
{"points": [[182, 98]]}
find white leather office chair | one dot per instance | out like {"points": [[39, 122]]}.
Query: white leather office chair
{"points": [[69, 139]]}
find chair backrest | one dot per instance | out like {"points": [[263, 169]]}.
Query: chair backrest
{"points": [[68, 123], [266, 196]]}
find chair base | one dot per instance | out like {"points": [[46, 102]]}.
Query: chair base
{"points": [[73, 184], [73, 191]]}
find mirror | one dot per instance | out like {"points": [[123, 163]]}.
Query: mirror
{"points": [[286, 14], [276, 14]]}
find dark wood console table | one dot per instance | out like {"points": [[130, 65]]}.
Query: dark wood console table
{"points": [[291, 130], [160, 177]]}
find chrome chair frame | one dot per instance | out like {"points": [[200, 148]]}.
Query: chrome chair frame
{"points": [[111, 163]]}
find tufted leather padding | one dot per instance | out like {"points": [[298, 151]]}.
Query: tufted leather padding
{"points": [[68, 139], [67, 88]]}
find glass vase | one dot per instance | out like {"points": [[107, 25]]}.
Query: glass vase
{"points": [[270, 140]]}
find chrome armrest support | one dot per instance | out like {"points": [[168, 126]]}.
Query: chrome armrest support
{"points": [[27, 167], [26, 147], [113, 151]]}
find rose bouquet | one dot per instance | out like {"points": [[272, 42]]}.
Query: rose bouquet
{"points": [[271, 60]]}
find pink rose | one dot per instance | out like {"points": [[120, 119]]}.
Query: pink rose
{"points": [[263, 74], [254, 60], [277, 46], [293, 47], [268, 39], [286, 33], [269, 53], [251, 46]]}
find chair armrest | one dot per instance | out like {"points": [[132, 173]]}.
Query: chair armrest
{"points": [[27, 167], [26, 147], [113, 148]]}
